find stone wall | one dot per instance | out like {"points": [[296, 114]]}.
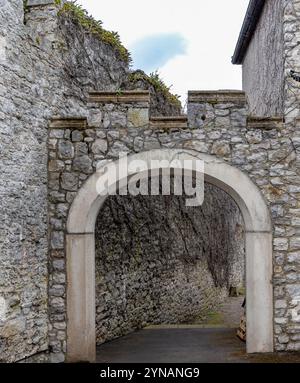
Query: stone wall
{"points": [[273, 53], [291, 27], [263, 73], [217, 125], [48, 64], [160, 262], [43, 73], [264, 149], [289, 279]]}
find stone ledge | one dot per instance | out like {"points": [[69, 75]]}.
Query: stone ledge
{"points": [[169, 122], [267, 123], [217, 96], [120, 97], [68, 122], [35, 3]]}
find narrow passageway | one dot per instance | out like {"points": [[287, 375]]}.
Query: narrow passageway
{"points": [[159, 262], [164, 273], [227, 315]]}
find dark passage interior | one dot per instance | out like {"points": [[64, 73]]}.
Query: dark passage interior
{"points": [[159, 262]]}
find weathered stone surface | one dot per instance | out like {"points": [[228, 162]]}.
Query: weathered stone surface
{"points": [[295, 243], [12, 328], [65, 149], [69, 181], [221, 149], [77, 136], [281, 244], [59, 264], [263, 73], [280, 304], [83, 164], [39, 2], [99, 146], [57, 240], [151, 143], [293, 290], [118, 148], [283, 339], [81, 149], [294, 257], [254, 136], [138, 117]]}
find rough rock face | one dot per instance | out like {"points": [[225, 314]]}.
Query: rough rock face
{"points": [[158, 261]]}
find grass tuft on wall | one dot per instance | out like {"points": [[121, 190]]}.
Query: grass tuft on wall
{"points": [[77, 13], [158, 84]]}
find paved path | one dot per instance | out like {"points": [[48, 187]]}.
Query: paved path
{"points": [[212, 340], [184, 345], [231, 310], [228, 314]]}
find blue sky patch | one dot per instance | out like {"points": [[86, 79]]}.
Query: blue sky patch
{"points": [[153, 52]]}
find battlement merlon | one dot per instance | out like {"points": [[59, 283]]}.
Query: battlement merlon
{"points": [[216, 96], [35, 3]]}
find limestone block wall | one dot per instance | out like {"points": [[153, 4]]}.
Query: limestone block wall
{"points": [[263, 148], [160, 262], [278, 32], [48, 64]]}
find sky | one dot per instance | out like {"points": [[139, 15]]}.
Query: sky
{"points": [[190, 43]]}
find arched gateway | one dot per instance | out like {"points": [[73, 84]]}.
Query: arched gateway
{"points": [[80, 253]]}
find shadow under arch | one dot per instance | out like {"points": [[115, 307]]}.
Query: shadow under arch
{"points": [[80, 251]]}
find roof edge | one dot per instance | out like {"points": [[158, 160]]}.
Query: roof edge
{"points": [[253, 14]]}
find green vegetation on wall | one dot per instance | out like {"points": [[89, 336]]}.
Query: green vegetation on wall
{"points": [[77, 13], [158, 84]]}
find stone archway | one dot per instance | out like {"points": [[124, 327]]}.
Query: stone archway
{"points": [[80, 254]]}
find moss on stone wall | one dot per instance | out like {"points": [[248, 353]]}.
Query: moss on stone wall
{"points": [[79, 14], [158, 84]]}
